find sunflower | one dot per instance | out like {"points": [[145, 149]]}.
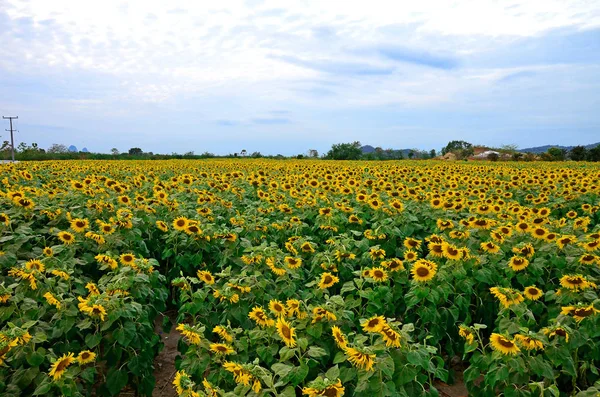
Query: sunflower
{"points": [[533, 293], [183, 384], [325, 211], [522, 227], [504, 345], [206, 276], [340, 339], [286, 332], [527, 250], [490, 247], [221, 349], [467, 333], [393, 265], [327, 280], [319, 314], [436, 249], [61, 274], [539, 233], [58, 368], [390, 336], [307, 247], [422, 271], [528, 342], [556, 331], [162, 226], [80, 225], [507, 296], [293, 263], [127, 259], [4, 219], [373, 324], [575, 282], [85, 357], [66, 237], [451, 252], [330, 388], [35, 265], [376, 253], [591, 246], [51, 299], [180, 223], [223, 334], [277, 308], [579, 312], [518, 263], [588, 259], [443, 224], [410, 256], [258, 315], [47, 251], [360, 359], [192, 229], [190, 333]]}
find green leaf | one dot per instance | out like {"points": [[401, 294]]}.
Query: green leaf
{"points": [[288, 392], [286, 353], [333, 373], [315, 351], [281, 370], [35, 358], [92, 340], [43, 388], [116, 380], [340, 357], [386, 364]]}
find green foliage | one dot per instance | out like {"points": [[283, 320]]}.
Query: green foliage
{"points": [[345, 151]]}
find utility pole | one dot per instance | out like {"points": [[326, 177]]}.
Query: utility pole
{"points": [[12, 141]]}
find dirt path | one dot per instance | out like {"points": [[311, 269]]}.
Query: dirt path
{"points": [[164, 363]]}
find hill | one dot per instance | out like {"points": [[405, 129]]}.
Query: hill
{"points": [[543, 149]]}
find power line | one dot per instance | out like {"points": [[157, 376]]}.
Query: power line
{"points": [[12, 141]]}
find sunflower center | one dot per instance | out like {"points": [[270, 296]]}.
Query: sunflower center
{"points": [[62, 365], [505, 343], [378, 273], [422, 271], [583, 312], [286, 331], [532, 291], [328, 280], [575, 281], [180, 222]]}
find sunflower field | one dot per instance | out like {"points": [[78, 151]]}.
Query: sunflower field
{"points": [[300, 278]]}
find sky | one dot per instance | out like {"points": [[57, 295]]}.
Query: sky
{"points": [[284, 77]]}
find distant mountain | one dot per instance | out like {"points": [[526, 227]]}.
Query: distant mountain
{"points": [[85, 150], [544, 149], [367, 149], [72, 148]]}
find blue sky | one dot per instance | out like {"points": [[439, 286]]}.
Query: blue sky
{"points": [[286, 77]]}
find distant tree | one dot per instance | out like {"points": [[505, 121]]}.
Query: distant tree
{"points": [[300, 156], [432, 154], [114, 151], [516, 156], [594, 154], [313, 153], [58, 148], [135, 151], [461, 149], [493, 156], [556, 154], [509, 148], [243, 152], [411, 154], [256, 155], [578, 153], [189, 154], [345, 151]]}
